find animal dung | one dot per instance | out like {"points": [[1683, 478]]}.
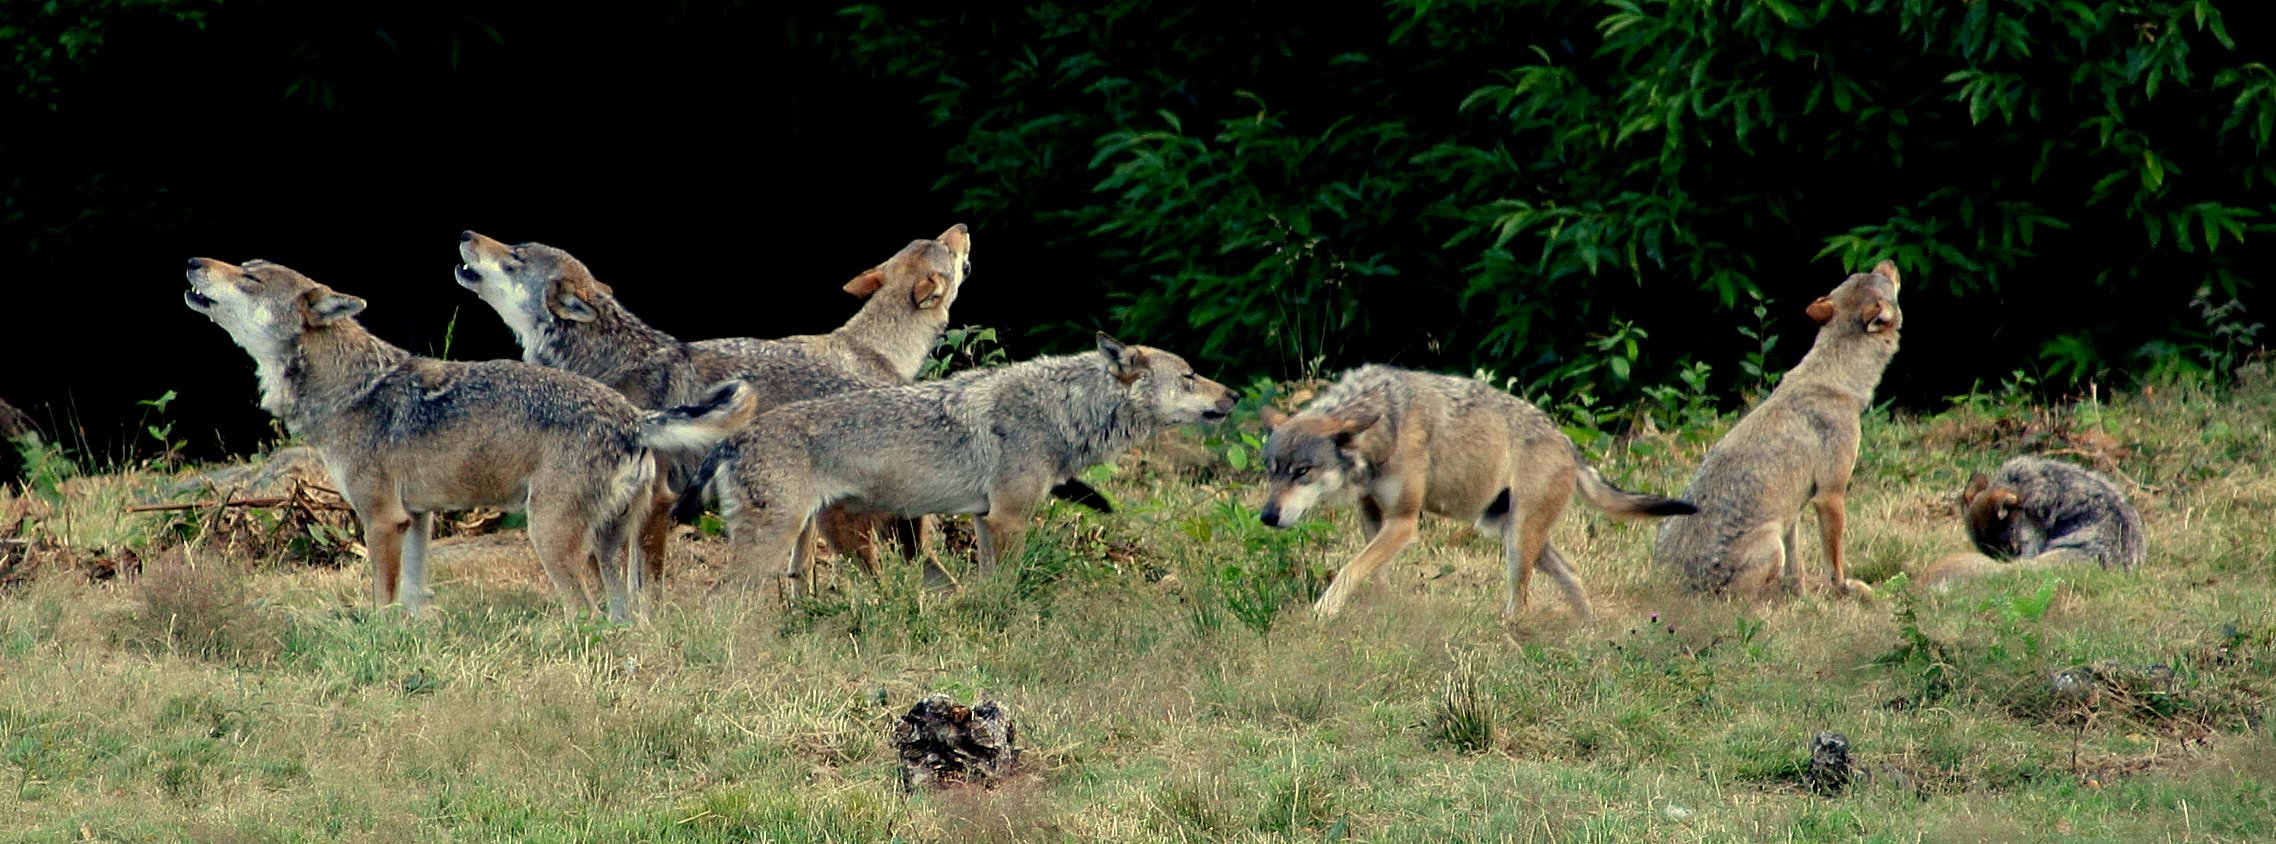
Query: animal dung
{"points": [[943, 744]]}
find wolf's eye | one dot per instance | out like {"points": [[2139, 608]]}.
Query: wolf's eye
{"points": [[1299, 473]]}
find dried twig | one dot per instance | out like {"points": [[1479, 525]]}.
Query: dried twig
{"points": [[275, 501]]}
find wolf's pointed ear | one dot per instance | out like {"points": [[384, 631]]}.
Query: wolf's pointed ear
{"points": [[1977, 483], [1124, 360], [326, 306], [929, 291], [1355, 425], [570, 304], [2007, 501], [1888, 270], [1821, 310], [867, 284], [1273, 417]]}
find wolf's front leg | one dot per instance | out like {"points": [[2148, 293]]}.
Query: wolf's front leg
{"points": [[1394, 532], [1000, 535], [1011, 510], [384, 521], [800, 569], [412, 583], [1398, 532], [1832, 518]]}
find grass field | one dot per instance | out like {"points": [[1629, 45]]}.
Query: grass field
{"points": [[1169, 684]]}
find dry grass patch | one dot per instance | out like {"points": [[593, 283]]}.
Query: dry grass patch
{"points": [[1170, 683]]}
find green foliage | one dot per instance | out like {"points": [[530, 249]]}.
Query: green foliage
{"points": [[46, 466], [959, 349], [1278, 567], [1483, 184], [1240, 437], [1924, 660], [42, 39], [169, 449], [450, 330]]}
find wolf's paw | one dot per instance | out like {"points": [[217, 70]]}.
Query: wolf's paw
{"points": [[1854, 588]]}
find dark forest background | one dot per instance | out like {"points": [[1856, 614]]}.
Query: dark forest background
{"points": [[1617, 208]]}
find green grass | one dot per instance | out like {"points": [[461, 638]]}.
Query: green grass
{"points": [[1170, 686]]}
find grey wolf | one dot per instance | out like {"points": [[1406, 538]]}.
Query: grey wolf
{"points": [[904, 310], [2040, 511], [1414, 442], [989, 442], [566, 318], [1797, 447], [404, 436]]}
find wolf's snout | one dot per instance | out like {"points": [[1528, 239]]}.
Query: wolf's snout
{"points": [[1271, 515], [197, 263], [466, 236], [1224, 406]]}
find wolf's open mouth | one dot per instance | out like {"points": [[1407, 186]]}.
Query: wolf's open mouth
{"points": [[196, 301], [467, 277]]}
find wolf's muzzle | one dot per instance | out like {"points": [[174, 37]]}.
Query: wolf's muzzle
{"points": [[191, 296], [1224, 407]]}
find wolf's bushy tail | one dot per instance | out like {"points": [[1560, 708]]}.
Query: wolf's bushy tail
{"points": [[689, 507], [724, 409], [1622, 504]]}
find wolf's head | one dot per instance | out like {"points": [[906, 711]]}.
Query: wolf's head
{"points": [[1865, 303], [923, 277], [1309, 457], [534, 287], [1995, 518], [267, 308], [1164, 385]]}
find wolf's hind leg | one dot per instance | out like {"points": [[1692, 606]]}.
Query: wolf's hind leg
{"points": [[560, 537]]}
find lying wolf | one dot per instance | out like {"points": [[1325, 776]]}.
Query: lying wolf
{"points": [[990, 442], [404, 436], [2038, 512], [1415, 442]]}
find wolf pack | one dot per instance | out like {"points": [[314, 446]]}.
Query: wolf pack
{"points": [[608, 431]]}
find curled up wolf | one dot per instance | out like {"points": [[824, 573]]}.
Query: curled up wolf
{"points": [[2036, 512]]}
